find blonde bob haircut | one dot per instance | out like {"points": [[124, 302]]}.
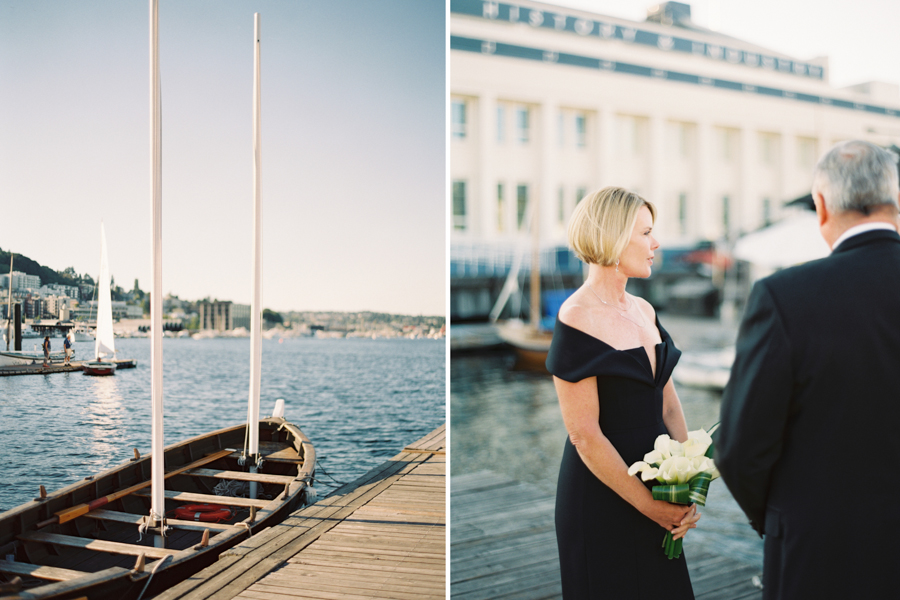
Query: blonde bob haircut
{"points": [[602, 223]]}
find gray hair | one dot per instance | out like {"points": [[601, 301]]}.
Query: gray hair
{"points": [[857, 176]]}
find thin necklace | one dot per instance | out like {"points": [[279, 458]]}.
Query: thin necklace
{"points": [[621, 311]]}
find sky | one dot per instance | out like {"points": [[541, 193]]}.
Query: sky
{"points": [[353, 146], [859, 37]]}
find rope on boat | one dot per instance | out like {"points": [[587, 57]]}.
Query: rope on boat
{"points": [[145, 525], [152, 573]]}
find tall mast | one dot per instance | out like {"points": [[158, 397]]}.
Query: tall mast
{"points": [[256, 304], [535, 296], [9, 302], [157, 500]]}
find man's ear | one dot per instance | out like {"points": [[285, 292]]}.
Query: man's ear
{"points": [[821, 209]]}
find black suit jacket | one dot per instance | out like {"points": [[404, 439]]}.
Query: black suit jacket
{"points": [[809, 443]]}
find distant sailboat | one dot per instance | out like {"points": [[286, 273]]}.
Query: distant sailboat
{"points": [[105, 342]]}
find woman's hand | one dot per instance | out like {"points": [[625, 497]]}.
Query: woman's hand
{"points": [[670, 516], [689, 522]]}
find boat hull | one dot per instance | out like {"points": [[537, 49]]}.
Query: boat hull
{"points": [[288, 469], [99, 368], [531, 346], [12, 358]]}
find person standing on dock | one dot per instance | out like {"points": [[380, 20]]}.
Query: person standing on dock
{"points": [[67, 345], [810, 415], [46, 350]]}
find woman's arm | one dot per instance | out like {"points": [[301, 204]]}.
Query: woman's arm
{"points": [[581, 414], [673, 416]]}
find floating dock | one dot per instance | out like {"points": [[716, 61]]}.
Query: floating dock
{"points": [[38, 369], [503, 545], [381, 536]]}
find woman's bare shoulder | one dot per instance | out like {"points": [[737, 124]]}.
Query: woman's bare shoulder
{"points": [[577, 312]]}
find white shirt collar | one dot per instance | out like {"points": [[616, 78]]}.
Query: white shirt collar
{"points": [[858, 229]]}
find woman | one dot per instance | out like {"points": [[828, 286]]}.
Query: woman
{"points": [[612, 361]]}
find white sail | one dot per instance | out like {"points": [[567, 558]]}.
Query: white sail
{"points": [[256, 280], [105, 344]]}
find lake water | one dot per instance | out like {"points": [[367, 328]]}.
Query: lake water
{"points": [[509, 422], [359, 401]]}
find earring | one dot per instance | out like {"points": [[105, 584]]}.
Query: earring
{"points": [[617, 265]]}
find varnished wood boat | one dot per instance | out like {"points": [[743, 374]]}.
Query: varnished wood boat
{"points": [[84, 540], [531, 346]]}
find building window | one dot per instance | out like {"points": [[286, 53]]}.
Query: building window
{"points": [[458, 119], [682, 213], [561, 206], [727, 141], [806, 153], [726, 215], [632, 131], [580, 130], [501, 124], [501, 211], [523, 131], [580, 193], [561, 129], [766, 149], [459, 205], [521, 204]]}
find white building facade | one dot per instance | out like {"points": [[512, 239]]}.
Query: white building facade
{"points": [[550, 103], [20, 281]]}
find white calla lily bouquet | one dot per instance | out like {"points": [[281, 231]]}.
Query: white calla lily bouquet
{"points": [[684, 471]]}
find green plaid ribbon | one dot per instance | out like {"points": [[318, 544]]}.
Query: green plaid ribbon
{"points": [[694, 491]]}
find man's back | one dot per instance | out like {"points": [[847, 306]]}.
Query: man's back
{"points": [[812, 421]]}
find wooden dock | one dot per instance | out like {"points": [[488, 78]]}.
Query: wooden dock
{"points": [[503, 545], [38, 369], [381, 536]]}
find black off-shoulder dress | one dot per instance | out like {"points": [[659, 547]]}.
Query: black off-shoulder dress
{"points": [[607, 549]]}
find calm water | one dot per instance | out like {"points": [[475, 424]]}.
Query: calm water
{"points": [[509, 422], [359, 401]]}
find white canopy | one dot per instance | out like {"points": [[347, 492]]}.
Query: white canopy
{"points": [[791, 241]]}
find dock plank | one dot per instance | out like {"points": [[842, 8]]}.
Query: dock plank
{"points": [[503, 545], [381, 536]]}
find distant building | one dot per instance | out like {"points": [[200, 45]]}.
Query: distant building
{"points": [[55, 305], [58, 289], [215, 315], [33, 307], [20, 281], [240, 315], [549, 103]]}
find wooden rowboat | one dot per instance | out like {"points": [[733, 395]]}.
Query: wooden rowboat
{"points": [[84, 540]]}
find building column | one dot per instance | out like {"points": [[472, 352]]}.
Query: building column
{"points": [[548, 180], [605, 146], [748, 211], [484, 187], [703, 210], [656, 169]]}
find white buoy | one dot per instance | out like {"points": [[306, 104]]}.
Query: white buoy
{"points": [[278, 413]]}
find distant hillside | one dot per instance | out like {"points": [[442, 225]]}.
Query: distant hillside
{"points": [[30, 267]]}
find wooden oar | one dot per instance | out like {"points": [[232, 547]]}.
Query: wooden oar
{"points": [[82, 509]]}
